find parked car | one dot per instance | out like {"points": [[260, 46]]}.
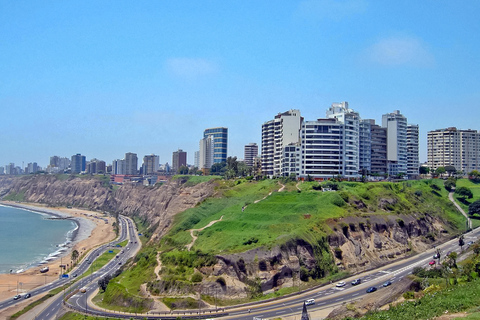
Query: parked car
{"points": [[371, 289], [309, 302], [387, 283], [356, 282], [341, 284], [432, 263]]}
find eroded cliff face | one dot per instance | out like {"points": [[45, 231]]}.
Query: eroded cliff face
{"points": [[363, 243], [156, 205]]}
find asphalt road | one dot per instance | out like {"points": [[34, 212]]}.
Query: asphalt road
{"points": [[51, 310], [325, 297]]}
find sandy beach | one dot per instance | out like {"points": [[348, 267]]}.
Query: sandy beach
{"points": [[92, 232]]}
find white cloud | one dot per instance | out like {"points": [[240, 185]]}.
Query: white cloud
{"points": [[190, 67], [398, 51], [331, 9]]}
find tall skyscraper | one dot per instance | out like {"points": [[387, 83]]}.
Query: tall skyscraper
{"points": [[454, 147], [396, 125], [365, 147], [205, 153], [250, 152], [379, 149], [283, 130], [220, 143], [150, 164], [118, 166], [131, 163], [78, 163], [196, 160], [179, 158], [413, 163], [351, 141]]}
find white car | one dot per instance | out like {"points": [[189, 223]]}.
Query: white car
{"points": [[341, 284], [309, 302]]}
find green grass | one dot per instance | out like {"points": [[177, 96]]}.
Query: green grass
{"points": [[191, 181], [123, 243], [292, 214], [460, 298], [124, 290], [15, 196]]}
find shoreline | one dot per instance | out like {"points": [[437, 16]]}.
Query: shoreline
{"points": [[72, 236], [93, 229]]}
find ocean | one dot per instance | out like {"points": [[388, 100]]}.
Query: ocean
{"points": [[27, 238]]}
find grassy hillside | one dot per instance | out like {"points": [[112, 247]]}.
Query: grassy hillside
{"points": [[300, 213]]}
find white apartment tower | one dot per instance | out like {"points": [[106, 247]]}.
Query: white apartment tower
{"points": [[276, 135], [396, 125], [453, 147], [206, 152], [413, 163], [351, 136]]}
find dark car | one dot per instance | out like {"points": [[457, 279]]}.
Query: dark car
{"points": [[371, 289], [28, 295], [356, 282], [387, 283]]}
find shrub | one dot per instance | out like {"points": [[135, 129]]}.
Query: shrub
{"points": [[197, 277], [409, 295], [418, 193], [338, 201]]}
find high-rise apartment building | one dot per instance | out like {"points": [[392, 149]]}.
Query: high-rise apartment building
{"points": [[78, 163], [379, 149], [454, 147], [32, 167], [131, 163], [365, 144], [179, 158], [283, 130], [413, 163], [196, 159], [118, 166], [150, 164], [351, 132], [396, 125], [206, 153], [220, 143], [250, 152]]}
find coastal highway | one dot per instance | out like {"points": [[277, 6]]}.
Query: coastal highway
{"points": [[90, 281], [325, 296], [82, 267]]}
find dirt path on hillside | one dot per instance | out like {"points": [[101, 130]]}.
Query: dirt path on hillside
{"points": [[194, 237], [450, 196]]}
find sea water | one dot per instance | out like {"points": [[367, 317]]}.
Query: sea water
{"points": [[28, 238]]}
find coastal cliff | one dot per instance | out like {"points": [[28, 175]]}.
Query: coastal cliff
{"points": [[154, 205]]}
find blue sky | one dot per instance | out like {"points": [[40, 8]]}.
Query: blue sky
{"points": [[103, 78]]}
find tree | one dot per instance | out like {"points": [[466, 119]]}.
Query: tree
{"points": [[193, 170], [424, 170], [75, 255], [183, 170], [440, 171], [450, 184], [452, 259], [218, 168], [232, 164], [464, 192], [474, 208], [450, 170], [103, 282], [474, 176]]}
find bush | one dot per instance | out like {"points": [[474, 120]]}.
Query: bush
{"points": [[409, 295], [197, 277]]}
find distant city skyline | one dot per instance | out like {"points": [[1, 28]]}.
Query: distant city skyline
{"points": [[104, 79]]}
